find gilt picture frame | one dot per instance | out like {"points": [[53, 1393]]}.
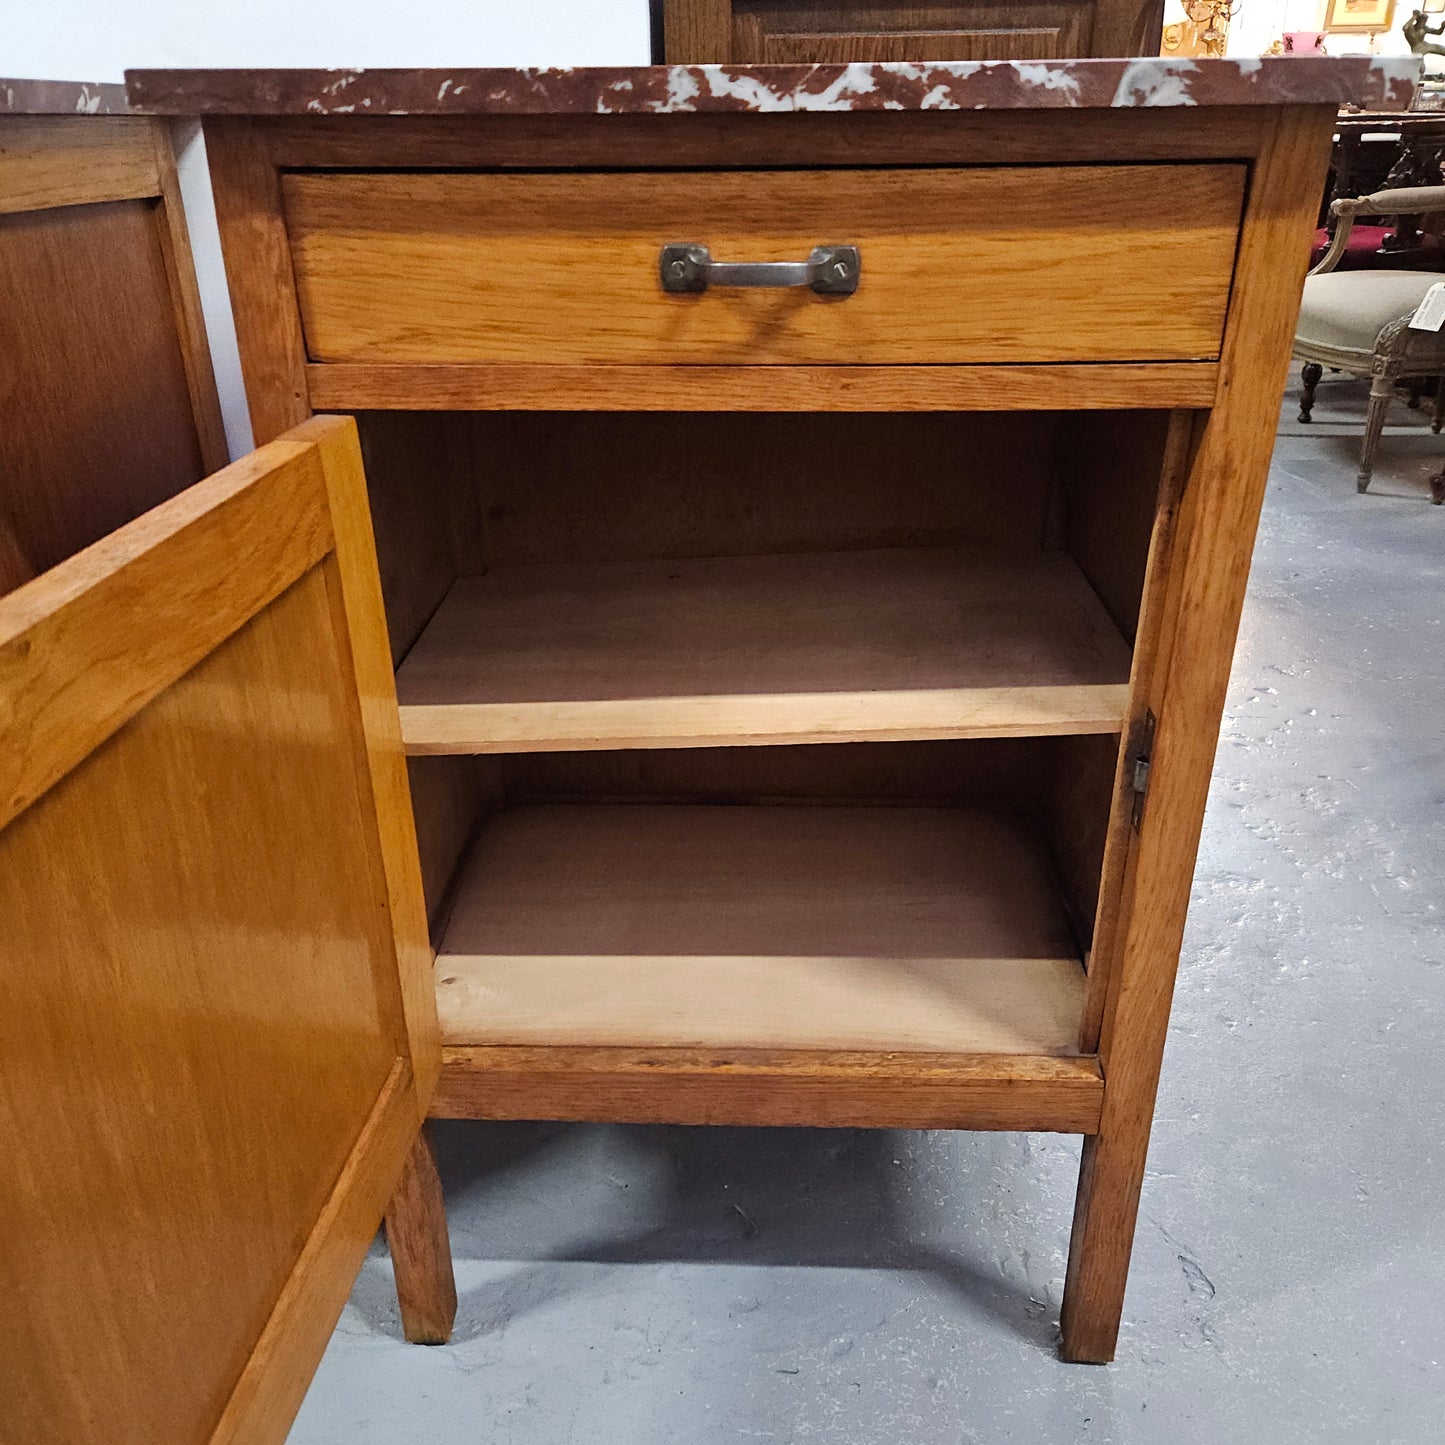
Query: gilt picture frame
{"points": [[1359, 15]]}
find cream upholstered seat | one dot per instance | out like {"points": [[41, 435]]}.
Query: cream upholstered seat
{"points": [[1358, 321], [1347, 310]]}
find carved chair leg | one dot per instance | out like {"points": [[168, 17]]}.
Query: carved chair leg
{"points": [[1437, 419], [1311, 378], [421, 1252], [1382, 390]]}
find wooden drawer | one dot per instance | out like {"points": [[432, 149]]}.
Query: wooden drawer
{"points": [[1066, 263]]}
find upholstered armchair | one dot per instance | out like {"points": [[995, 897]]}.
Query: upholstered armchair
{"points": [[1358, 321]]}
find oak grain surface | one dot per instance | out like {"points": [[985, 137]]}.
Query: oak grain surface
{"points": [[258, 270], [526, 386], [206, 1081], [987, 265], [421, 1256], [183, 955], [815, 1088], [99, 422], [47, 161], [132, 613], [1198, 616]]}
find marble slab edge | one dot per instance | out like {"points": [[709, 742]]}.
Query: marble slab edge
{"points": [[1365, 81], [62, 97]]}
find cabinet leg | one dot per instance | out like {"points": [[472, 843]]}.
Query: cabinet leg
{"points": [[1111, 1174], [421, 1253]]}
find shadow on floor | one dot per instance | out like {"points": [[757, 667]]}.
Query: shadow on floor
{"points": [[776, 1197]]}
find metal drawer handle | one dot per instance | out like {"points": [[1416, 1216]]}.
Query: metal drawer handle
{"points": [[829, 270]]}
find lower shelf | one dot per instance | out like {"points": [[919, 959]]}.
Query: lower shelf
{"points": [[865, 929]]}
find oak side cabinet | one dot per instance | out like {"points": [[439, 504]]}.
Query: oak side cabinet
{"points": [[727, 624]]}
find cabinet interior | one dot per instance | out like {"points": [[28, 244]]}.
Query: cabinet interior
{"points": [[764, 730]]}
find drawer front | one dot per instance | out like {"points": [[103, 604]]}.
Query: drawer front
{"points": [[1088, 263]]}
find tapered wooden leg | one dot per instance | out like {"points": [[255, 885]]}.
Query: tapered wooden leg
{"points": [[421, 1253], [1110, 1176]]}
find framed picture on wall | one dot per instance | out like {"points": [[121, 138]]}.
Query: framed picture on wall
{"points": [[1359, 14]]}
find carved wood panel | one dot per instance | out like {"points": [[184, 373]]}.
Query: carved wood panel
{"points": [[807, 31]]}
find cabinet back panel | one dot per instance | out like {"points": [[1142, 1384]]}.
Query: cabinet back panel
{"points": [[423, 513], [991, 770], [1065, 783], [564, 487]]}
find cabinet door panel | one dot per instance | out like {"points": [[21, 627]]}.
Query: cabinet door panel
{"points": [[217, 1029]]}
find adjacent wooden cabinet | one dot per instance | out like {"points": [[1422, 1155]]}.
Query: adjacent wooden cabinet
{"points": [[105, 378], [729, 696], [799, 32]]}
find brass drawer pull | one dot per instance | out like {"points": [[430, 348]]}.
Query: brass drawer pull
{"points": [[829, 270]]}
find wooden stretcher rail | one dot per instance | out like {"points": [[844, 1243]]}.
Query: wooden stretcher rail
{"points": [[788, 1087], [363, 386]]}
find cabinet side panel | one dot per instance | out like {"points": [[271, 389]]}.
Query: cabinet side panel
{"points": [[258, 271], [1204, 595], [98, 423]]}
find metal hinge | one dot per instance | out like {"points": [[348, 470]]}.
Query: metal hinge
{"points": [[1142, 758]]}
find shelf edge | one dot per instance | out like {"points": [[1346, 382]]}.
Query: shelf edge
{"points": [[1038, 1093], [726, 720]]}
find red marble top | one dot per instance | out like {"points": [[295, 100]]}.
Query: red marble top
{"points": [[61, 97], [1374, 83]]}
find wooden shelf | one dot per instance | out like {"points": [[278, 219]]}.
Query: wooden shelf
{"points": [[779, 928], [832, 647]]}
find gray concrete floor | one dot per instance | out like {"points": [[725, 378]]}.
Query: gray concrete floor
{"points": [[649, 1286]]}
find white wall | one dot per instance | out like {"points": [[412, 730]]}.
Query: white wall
{"points": [[100, 39], [1260, 21]]}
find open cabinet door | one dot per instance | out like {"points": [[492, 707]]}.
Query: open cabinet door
{"points": [[217, 1023]]}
